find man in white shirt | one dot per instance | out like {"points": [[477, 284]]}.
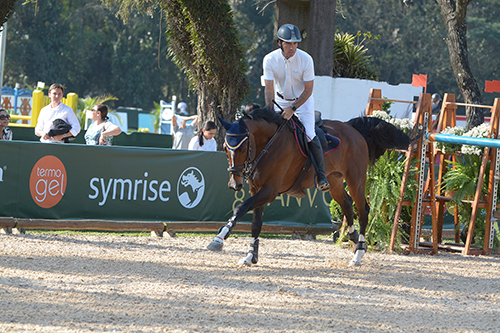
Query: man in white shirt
{"points": [[56, 110], [289, 80]]}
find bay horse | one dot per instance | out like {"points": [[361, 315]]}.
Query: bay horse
{"points": [[270, 161]]}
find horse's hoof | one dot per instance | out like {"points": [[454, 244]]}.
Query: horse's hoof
{"points": [[247, 261], [215, 245], [354, 263]]}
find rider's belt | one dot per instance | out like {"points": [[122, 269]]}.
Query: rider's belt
{"points": [[286, 99]]}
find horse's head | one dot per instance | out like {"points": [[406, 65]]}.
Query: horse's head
{"points": [[237, 148]]}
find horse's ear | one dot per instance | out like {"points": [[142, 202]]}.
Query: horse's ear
{"points": [[224, 123], [243, 125]]}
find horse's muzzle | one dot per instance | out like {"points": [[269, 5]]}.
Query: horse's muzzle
{"points": [[235, 185]]}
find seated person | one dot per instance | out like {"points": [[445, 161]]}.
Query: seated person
{"points": [[56, 110], [5, 132], [183, 132], [204, 140], [101, 131]]}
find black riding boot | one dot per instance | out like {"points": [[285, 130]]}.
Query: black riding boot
{"points": [[316, 154]]}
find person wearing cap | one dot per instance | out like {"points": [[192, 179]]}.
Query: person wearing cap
{"points": [[5, 131], [183, 132], [436, 101], [56, 110], [289, 80], [182, 108]]}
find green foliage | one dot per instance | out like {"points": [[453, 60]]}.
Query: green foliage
{"points": [[461, 180], [413, 41], [82, 45], [255, 27], [156, 114], [462, 177], [350, 56], [382, 187]]}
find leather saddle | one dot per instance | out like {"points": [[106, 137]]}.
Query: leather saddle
{"points": [[329, 143]]}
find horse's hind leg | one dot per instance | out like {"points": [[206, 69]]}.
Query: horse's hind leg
{"points": [[340, 195], [253, 254], [358, 194]]}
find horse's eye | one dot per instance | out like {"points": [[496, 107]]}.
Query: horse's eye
{"points": [[243, 150]]}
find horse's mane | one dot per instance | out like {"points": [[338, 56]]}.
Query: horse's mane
{"points": [[265, 114]]}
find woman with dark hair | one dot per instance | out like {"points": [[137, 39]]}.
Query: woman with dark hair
{"points": [[204, 140], [101, 131], [5, 132]]}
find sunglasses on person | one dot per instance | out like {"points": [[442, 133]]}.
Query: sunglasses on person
{"points": [[2, 117]]}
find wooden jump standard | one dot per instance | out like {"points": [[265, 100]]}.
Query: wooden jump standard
{"points": [[425, 148]]}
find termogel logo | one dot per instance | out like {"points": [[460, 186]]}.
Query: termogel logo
{"points": [[48, 181], [190, 187]]}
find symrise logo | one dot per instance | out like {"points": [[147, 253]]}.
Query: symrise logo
{"points": [[190, 187], [48, 181]]}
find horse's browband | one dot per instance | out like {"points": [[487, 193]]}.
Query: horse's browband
{"points": [[238, 145]]}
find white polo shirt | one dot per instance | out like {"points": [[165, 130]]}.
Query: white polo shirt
{"points": [[290, 74], [49, 114], [208, 145]]}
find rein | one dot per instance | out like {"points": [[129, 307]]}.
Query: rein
{"points": [[247, 174], [247, 169]]}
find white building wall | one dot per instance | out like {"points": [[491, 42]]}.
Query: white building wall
{"points": [[343, 99]]}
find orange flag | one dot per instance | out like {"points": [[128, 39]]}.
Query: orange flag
{"points": [[419, 80], [492, 86]]}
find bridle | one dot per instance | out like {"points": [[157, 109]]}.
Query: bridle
{"points": [[247, 169]]}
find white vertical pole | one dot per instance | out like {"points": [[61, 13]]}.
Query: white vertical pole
{"points": [[3, 44]]}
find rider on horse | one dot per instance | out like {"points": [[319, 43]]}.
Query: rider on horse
{"points": [[289, 80]]}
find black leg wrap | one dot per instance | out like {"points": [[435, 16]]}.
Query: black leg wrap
{"points": [[361, 246], [354, 236], [255, 251]]}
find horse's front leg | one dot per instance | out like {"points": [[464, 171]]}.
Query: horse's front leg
{"points": [[253, 254], [218, 242]]}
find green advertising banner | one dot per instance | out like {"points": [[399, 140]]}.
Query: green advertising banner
{"points": [[71, 181]]}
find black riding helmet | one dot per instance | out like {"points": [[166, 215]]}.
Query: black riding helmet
{"points": [[289, 33]]}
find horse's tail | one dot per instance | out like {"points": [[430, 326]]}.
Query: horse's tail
{"points": [[379, 135]]}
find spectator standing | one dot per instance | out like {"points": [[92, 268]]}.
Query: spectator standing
{"points": [[101, 131], [5, 131], [204, 140], [436, 103], [182, 108], [182, 131], [56, 110]]}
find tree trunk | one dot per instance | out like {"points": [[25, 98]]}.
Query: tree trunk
{"points": [[6, 10], [454, 13], [322, 35]]}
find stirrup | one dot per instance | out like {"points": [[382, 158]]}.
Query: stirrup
{"points": [[322, 186]]}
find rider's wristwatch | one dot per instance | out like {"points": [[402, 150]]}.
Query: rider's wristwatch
{"points": [[294, 108]]}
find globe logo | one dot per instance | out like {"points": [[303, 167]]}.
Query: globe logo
{"points": [[190, 187]]}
